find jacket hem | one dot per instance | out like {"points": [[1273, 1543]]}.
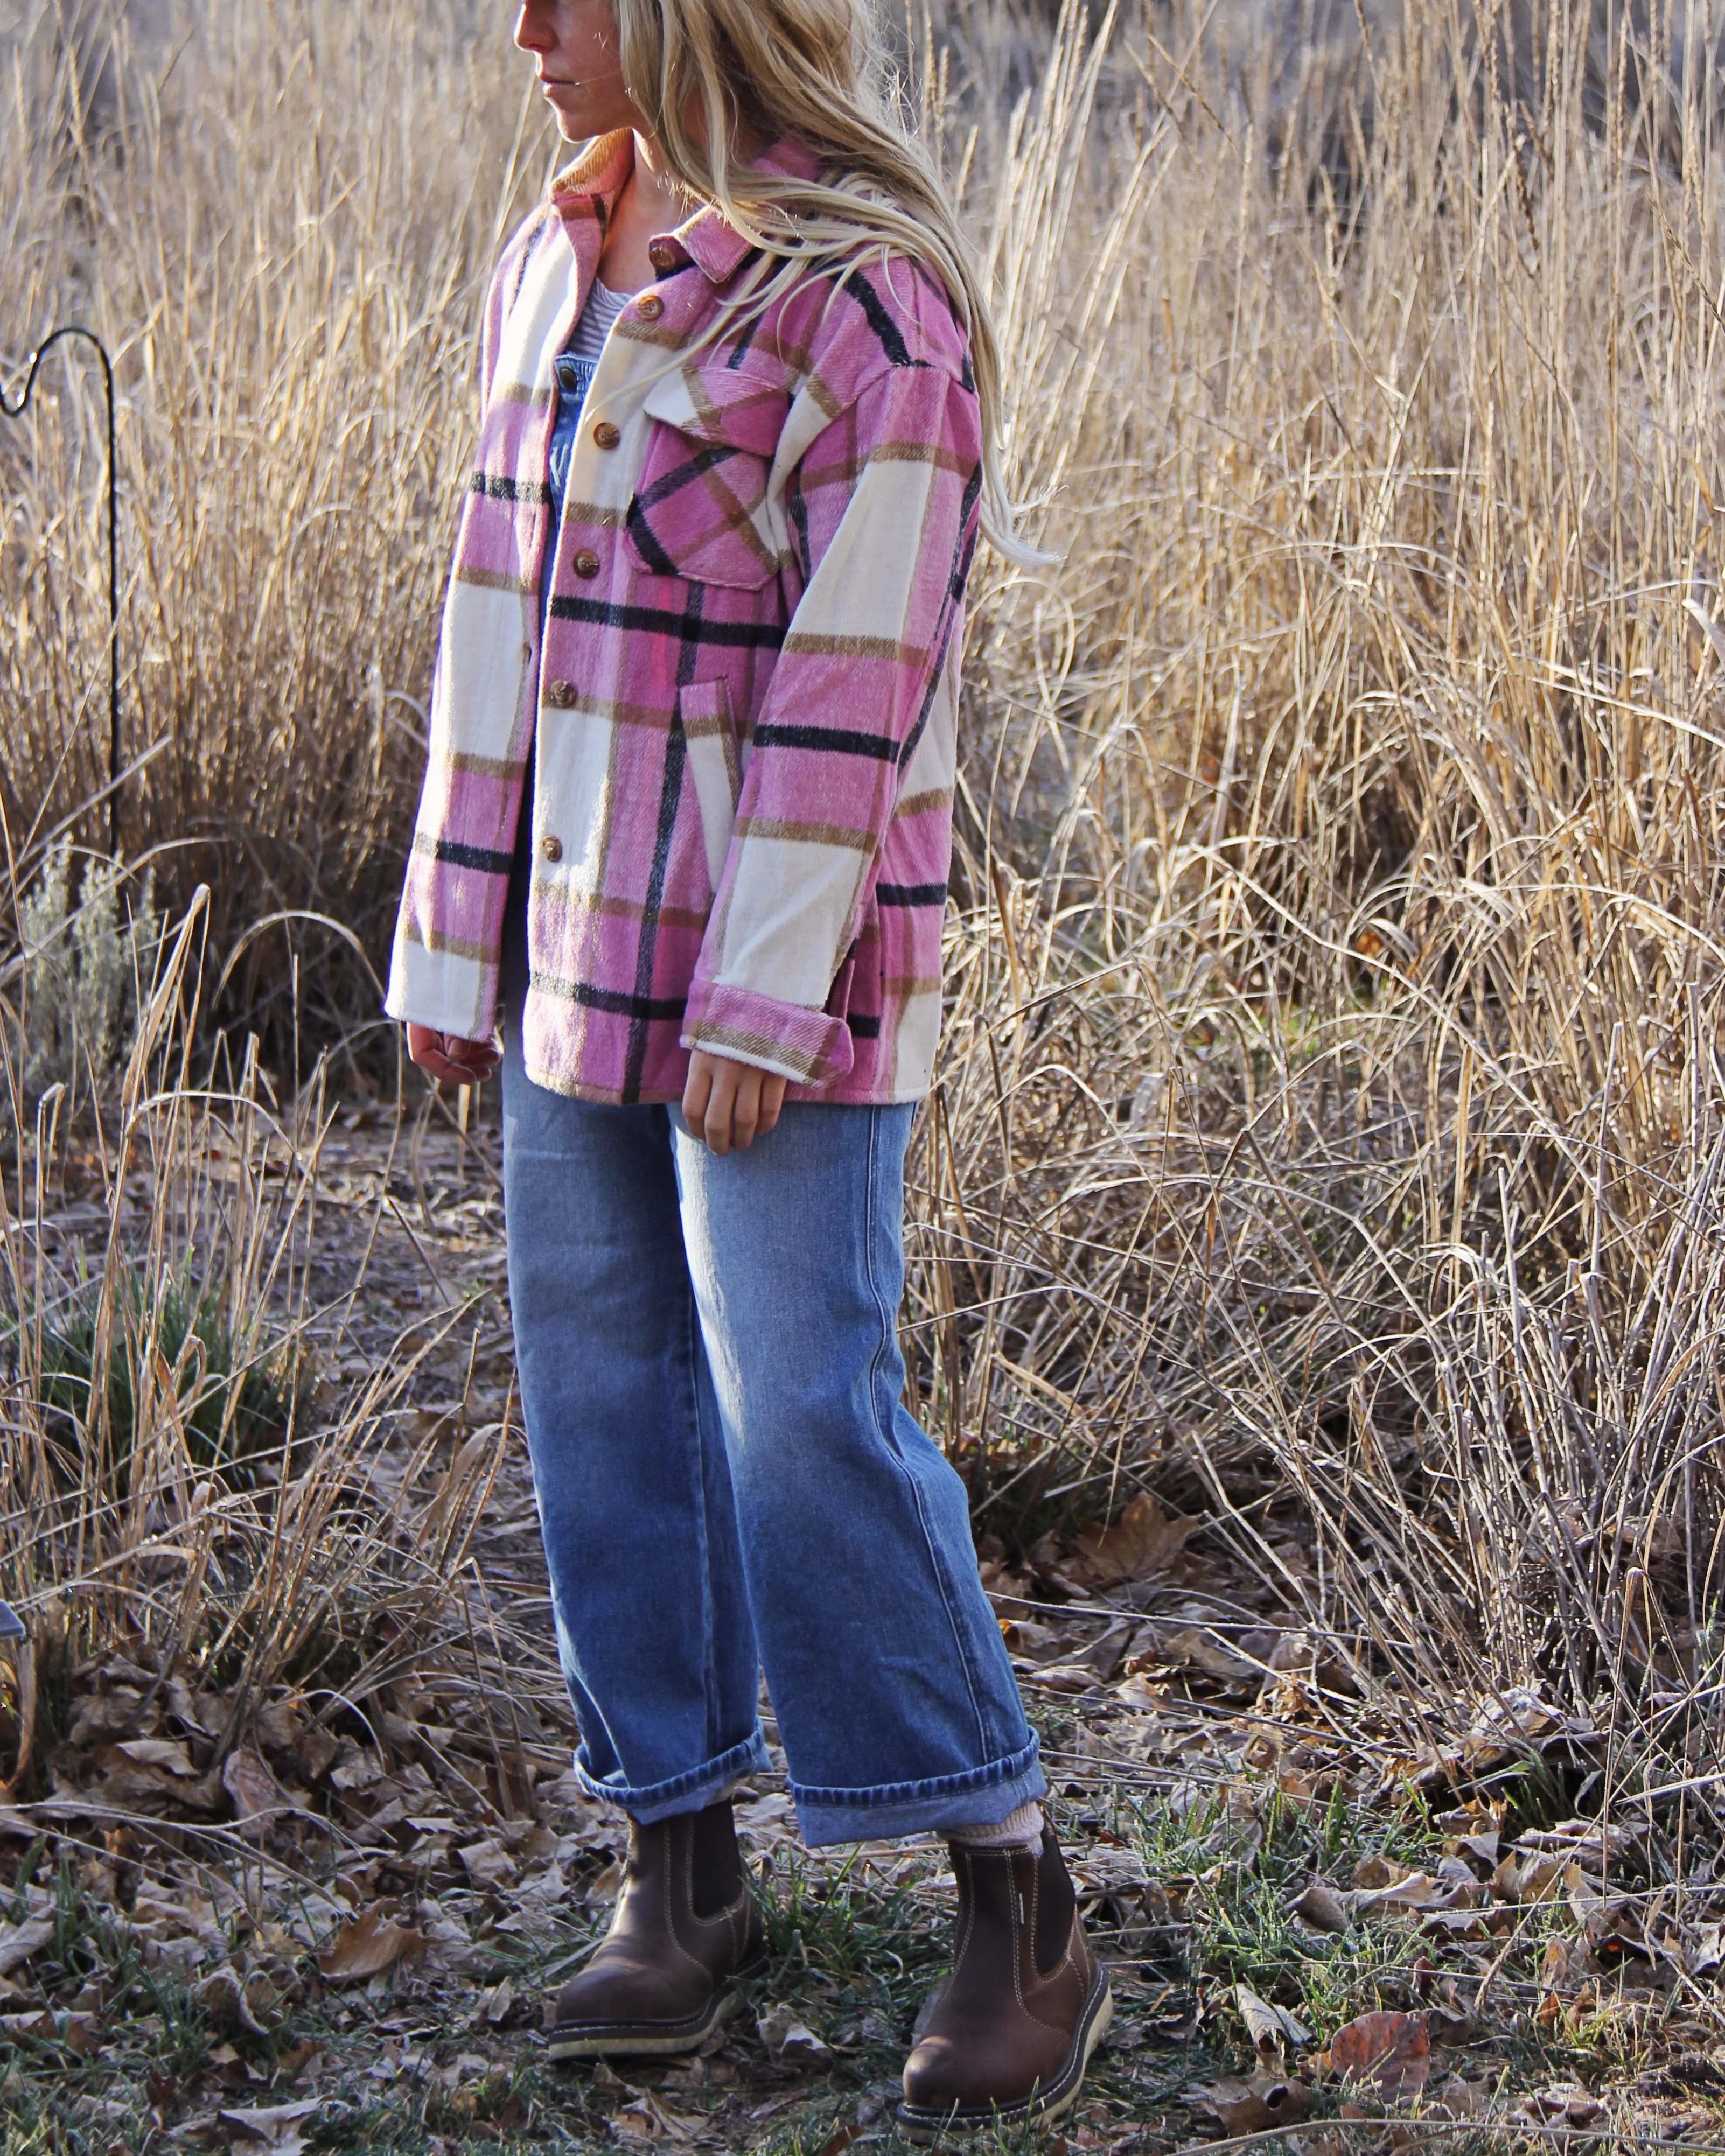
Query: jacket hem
{"points": [[660, 1096]]}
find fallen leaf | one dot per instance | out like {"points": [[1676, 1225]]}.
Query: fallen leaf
{"points": [[81, 2033], [1322, 1906], [607, 1887], [789, 2041], [1268, 2026], [251, 1788], [445, 1934], [1450, 2025], [318, 1751], [1526, 1879], [1417, 1890], [1190, 1648], [1393, 2052], [278, 1725], [1565, 2102], [646, 2119], [270, 2131], [235, 2002], [495, 2003], [18, 1942], [1142, 1541], [1069, 1677], [487, 1864], [104, 1714], [356, 1768], [1255, 2105], [166, 1753], [373, 1943], [1461, 2099]]}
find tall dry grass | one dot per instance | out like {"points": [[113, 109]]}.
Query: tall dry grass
{"points": [[279, 222], [1328, 1130], [210, 1497], [1331, 1122]]}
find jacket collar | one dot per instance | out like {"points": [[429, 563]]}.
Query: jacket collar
{"points": [[592, 185]]}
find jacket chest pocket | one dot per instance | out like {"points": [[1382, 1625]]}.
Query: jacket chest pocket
{"points": [[703, 508]]}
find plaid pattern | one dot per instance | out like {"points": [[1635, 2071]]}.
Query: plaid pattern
{"points": [[745, 707]]}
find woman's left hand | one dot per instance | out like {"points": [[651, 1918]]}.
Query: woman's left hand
{"points": [[730, 1104]]}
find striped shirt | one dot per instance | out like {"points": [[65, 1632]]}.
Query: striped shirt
{"points": [[742, 703]]}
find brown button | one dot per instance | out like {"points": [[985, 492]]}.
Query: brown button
{"points": [[651, 308], [560, 694], [606, 435], [552, 846], [663, 257], [587, 562]]}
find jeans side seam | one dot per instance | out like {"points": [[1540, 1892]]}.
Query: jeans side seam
{"points": [[888, 1322], [703, 1541]]}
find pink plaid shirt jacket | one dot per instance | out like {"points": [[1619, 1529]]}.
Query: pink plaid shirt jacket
{"points": [[743, 718]]}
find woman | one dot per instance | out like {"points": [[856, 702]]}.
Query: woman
{"points": [[687, 825]]}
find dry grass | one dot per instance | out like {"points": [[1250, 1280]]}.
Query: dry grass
{"points": [[224, 1504], [1328, 1133], [1329, 1126]]}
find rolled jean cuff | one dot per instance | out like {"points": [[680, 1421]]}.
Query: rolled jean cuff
{"points": [[689, 1791], [979, 1797]]}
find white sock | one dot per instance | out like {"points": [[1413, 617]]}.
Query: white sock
{"points": [[1018, 1830]]}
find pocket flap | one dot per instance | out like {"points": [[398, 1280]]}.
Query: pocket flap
{"points": [[739, 407], [702, 507]]}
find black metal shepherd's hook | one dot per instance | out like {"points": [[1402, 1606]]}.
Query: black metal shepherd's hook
{"points": [[16, 411]]}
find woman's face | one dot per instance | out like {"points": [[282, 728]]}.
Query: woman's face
{"points": [[574, 47]]}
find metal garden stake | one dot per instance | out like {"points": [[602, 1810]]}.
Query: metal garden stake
{"points": [[61, 336]]}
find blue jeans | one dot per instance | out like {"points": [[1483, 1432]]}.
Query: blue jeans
{"points": [[728, 1481]]}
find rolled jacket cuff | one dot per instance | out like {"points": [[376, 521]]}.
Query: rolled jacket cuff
{"points": [[810, 1046], [449, 992], [979, 1797]]}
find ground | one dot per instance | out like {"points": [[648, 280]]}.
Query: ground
{"points": [[242, 1912]]}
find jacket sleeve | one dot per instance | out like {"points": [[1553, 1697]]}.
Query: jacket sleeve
{"points": [[883, 511], [442, 971]]}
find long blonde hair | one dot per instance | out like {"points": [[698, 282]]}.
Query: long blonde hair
{"points": [[818, 72]]}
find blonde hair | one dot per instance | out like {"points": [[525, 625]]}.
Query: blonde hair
{"points": [[815, 71]]}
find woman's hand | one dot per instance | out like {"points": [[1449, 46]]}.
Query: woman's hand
{"points": [[730, 1104], [456, 1061]]}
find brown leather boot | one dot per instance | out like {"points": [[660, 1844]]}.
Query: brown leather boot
{"points": [[661, 1980], [1026, 2005]]}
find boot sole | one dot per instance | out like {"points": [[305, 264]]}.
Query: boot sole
{"points": [[647, 2040], [922, 2126]]}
